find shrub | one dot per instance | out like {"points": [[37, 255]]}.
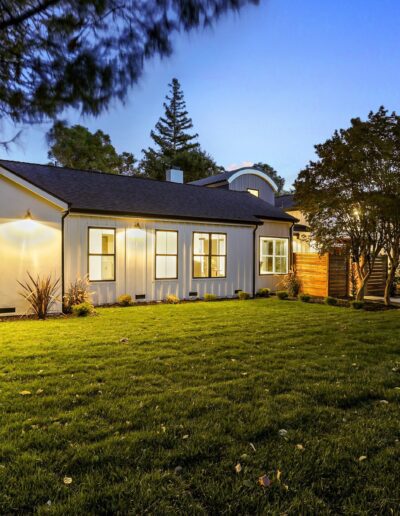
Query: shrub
{"points": [[243, 295], [172, 300], [210, 297], [305, 298], [263, 292], [331, 301], [291, 284], [282, 294], [357, 305], [83, 309], [77, 293], [40, 293], [125, 300]]}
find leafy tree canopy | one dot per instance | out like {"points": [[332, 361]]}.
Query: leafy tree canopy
{"points": [[175, 146], [57, 54], [273, 174], [351, 193], [77, 147]]}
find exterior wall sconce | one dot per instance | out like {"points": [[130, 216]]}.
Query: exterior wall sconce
{"points": [[28, 215]]}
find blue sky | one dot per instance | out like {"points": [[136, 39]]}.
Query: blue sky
{"points": [[265, 85]]}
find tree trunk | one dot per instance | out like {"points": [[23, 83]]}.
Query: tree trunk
{"points": [[361, 287], [363, 277]]}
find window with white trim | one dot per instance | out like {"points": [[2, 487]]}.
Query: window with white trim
{"points": [[101, 254], [166, 254], [273, 255]]}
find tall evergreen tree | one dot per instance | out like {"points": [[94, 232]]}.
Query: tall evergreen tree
{"points": [[175, 145], [171, 131]]}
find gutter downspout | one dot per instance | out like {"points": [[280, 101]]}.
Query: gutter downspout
{"points": [[64, 216], [254, 260], [291, 245]]}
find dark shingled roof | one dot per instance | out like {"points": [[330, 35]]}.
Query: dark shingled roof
{"points": [[97, 192], [217, 178], [285, 201]]}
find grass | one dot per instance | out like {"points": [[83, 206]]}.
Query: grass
{"points": [[157, 424]]}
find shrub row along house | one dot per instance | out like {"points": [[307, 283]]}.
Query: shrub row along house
{"points": [[143, 237]]}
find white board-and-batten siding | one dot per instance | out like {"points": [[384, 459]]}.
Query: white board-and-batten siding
{"points": [[27, 245], [135, 258]]}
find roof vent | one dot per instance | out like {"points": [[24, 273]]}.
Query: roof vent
{"points": [[174, 175]]}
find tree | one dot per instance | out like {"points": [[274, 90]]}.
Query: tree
{"points": [[77, 147], [345, 193], [195, 164], [175, 146], [171, 132], [58, 54], [273, 174]]}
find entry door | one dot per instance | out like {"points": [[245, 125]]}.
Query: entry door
{"points": [[136, 262]]}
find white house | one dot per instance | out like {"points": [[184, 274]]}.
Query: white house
{"points": [[139, 236]]}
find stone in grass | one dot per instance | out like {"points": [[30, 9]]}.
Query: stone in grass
{"points": [[178, 470], [124, 340], [282, 432]]}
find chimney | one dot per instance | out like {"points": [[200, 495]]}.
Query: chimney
{"points": [[174, 175]]}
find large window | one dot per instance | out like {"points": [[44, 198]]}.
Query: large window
{"points": [[273, 255], [166, 254], [209, 255], [101, 254], [254, 192]]}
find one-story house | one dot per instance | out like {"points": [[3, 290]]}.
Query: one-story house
{"points": [[139, 236]]}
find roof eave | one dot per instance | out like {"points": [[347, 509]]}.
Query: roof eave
{"points": [[163, 216]]}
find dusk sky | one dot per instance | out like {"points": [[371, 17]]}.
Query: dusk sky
{"points": [[264, 85]]}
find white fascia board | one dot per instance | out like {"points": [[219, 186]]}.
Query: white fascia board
{"points": [[254, 172], [155, 219], [34, 189]]}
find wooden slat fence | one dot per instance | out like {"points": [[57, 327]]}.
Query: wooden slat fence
{"points": [[312, 271], [329, 275]]}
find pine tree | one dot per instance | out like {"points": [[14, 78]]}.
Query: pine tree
{"points": [[171, 135]]}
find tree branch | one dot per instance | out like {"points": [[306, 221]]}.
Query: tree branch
{"points": [[16, 20]]}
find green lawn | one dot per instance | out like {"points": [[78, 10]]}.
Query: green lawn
{"points": [[157, 424]]}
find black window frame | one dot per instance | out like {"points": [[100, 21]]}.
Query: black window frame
{"points": [[89, 254], [210, 255], [162, 254]]}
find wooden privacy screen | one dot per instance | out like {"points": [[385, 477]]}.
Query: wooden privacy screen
{"points": [[321, 276], [329, 275], [377, 280]]}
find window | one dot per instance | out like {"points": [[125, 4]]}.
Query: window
{"points": [[273, 255], [101, 254], [209, 255], [166, 254], [254, 192]]}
